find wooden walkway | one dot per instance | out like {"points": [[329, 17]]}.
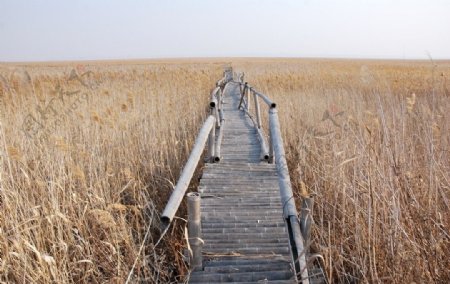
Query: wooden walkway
{"points": [[243, 225], [245, 238]]}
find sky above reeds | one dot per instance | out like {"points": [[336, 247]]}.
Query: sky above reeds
{"points": [[44, 30]]}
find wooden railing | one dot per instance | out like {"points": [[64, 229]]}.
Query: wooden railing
{"points": [[272, 151], [299, 230], [207, 134]]}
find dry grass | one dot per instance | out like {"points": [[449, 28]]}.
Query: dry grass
{"points": [[78, 195], [369, 138]]}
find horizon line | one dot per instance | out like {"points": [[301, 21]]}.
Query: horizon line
{"points": [[182, 58]]}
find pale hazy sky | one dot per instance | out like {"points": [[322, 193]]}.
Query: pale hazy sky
{"points": [[40, 30]]}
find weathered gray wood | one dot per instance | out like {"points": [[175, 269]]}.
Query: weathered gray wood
{"points": [[194, 230], [287, 197], [264, 149], [248, 102], [249, 268], [212, 140], [242, 94], [245, 232], [187, 173], [268, 101], [213, 98], [218, 146], [240, 277], [257, 110]]}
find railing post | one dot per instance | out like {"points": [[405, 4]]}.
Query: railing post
{"points": [[219, 99], [264, 151], [216, 115], [194, 230], [306, 218], [248, 99], [257, 110], [271, 160], [212, 140], [214, 104], [217, 152]]}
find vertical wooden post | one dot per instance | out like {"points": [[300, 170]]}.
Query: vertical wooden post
{"points": [[271, 160], [219, 99], [194, 230], [212, 139], [248, 99], [306, 218], [218, 121], [257, 110], [217, 155], [262, 140]]}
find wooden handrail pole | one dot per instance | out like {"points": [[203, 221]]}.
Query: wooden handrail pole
{"points": [[271, 160], [187, 173], [212, 139], [257, 110], [268, 101], [217, 150], [194, 230], [287, 197], [248, 99]]}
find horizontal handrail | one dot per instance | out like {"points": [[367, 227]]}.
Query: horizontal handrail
{"points": [[187, 173], [268, 101], [206, 134]]}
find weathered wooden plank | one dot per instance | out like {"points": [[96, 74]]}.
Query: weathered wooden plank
{"points": [[240, 277], [243, 236], [246, 199], [224, 261], [249, 267], [242, 230], [242, 225], [252, 250], [260, 242]]}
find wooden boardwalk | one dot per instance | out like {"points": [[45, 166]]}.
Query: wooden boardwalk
{"points": [[243, 225], [245, 237]]}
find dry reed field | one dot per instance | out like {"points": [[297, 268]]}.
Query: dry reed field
{"points": [[371, 140], [89, 156], [90, 152]]}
